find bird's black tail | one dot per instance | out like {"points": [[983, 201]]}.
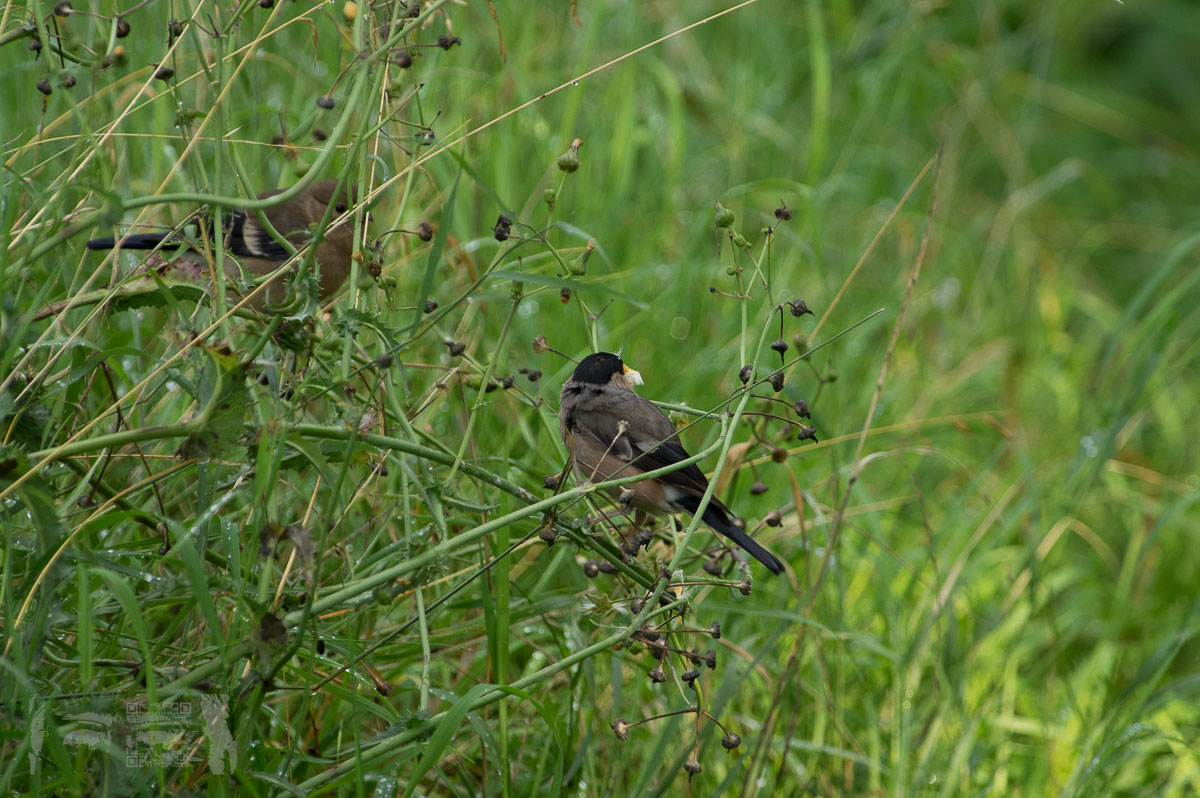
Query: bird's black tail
{"points": [[717, 516], [142, 241]]}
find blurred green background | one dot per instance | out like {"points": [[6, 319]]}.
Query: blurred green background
{"points": [[990, 586]]}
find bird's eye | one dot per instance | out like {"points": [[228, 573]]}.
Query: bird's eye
{"points": [[340, 207]]}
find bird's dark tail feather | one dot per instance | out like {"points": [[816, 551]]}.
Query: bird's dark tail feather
{"points": [[716, 516], [142, 241]]}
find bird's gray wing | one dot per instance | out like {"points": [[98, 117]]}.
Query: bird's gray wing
{"points": [[652, 439]]}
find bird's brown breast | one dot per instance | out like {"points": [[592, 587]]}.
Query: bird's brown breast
{"points": [[596, 463]]}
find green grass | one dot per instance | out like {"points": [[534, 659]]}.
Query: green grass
{"points": [[335, 551]]}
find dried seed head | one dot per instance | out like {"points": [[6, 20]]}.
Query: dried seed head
{"points": [[808, 434], [713, 566], [540, 345], [43, 86], [548, 536], [402, 59], [777, 381], [430, 306], [607, 568], [425, 231], [62, 9], [325, 102], [745, 374], [730, 741], [714, 629], [710, 659], [690, 675], [801, 408], [692, 767], [744, 587], [550, 482], [591, 568], [122, 28], [455, 348], [164, 73], [779, 455], [799, 308], [384, 362], [446, 42], [758, 488], [779, 346], [783, 213], [502, 231], [657, 675], [773, 518]]}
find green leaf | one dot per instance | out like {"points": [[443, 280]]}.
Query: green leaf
{"points": [[225, 395], [435, 254], [444, 734], [35, 493]]}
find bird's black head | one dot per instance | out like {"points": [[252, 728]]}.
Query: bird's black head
{"points": [[598, 369]]}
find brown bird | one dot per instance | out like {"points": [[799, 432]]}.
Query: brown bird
{"points": [[259, 252], [612, 432]]}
